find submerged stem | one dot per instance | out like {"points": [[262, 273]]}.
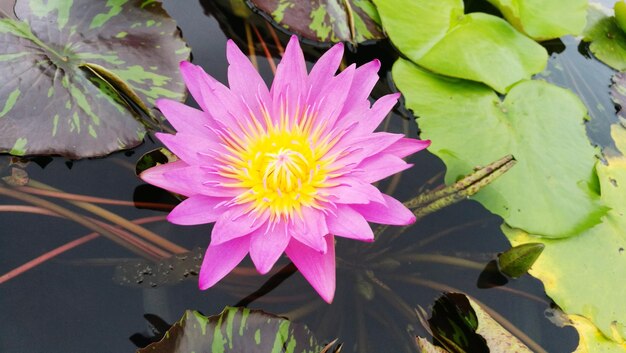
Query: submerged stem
{"points": [[82, 220], [92, 199], [116, 219], [59, 250]]}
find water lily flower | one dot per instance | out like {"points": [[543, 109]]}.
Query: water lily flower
{"points": [[285, 169]]}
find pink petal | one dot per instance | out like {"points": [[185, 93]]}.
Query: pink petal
{"points": [[191, 148], [244, 80], [311, 229], [379, 111], [348, 223], [365, 146], [365, 78], [220, 259], [392, 212], [197, 209], [266, 246], [379, 167], [406, 147], [353, 190], [185, 118], [212, 96], [324, 70], [333, 95], [155, 176], [316, 267], [196, 79], [236, 222], [200, 181], [291, 75]]}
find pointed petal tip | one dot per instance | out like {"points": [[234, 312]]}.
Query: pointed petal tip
{"points": [[328, 297], [185, 64], [203, 285]]}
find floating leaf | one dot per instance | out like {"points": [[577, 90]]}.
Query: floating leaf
{"points": [[427, 347], [518, 260], [551, 188], [545, 19], [620, 14], [580, 273], [461, 325], [476, 46], [236, 330], [591, 339], [153, 158], [608, 41], [52, 101], [618, 93], [354, 21]]}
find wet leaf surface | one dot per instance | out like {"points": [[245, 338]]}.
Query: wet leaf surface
{"points": [[607, 40], [50, 104], [476, 46], [583, 273], [545, 19], [460, 325], [551, 189], [236, 330], [354, 21]]}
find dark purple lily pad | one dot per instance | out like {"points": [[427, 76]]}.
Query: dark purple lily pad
{"points": [[235, 330], [354, 21], [51, 102]]}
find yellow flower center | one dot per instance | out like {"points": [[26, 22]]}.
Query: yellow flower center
{"points": [[282, 166]]}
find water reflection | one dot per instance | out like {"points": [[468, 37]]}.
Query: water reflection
{"points": [[378, 285]]}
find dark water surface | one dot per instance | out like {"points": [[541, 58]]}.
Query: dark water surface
{"points": [[77, 303]]}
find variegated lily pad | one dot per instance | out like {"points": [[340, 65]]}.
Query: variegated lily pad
{"points": [[237, 330], [52, 101], [354, 21]]}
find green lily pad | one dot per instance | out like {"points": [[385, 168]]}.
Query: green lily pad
{"points": [[54, 98], [608, 41], [620, 14], [545, 19], [551, 189], [580, 273], [591, 339], [236, 330], [476, 46], [354, 21]]}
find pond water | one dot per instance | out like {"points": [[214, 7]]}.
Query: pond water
{"points": [[87, 300]]}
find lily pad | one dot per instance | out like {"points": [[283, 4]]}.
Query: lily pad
{"points": [[236, 330], [545, 19], [460, 325], [608, 41], [618, 93], [591, 339], [580, 273], [51, 99], [476, 46], [354, 21], [551, 190]]}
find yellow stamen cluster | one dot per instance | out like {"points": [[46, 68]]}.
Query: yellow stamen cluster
{"points": [[281, 165]]}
